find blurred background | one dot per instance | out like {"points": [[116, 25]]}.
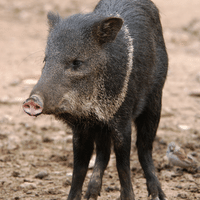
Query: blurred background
{"points": [[29, 145]]}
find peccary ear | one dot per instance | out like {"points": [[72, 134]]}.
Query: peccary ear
{"points": [[53, 19], [107, 29]]}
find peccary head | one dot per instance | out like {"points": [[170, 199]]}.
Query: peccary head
{"points": [[87, 67]]}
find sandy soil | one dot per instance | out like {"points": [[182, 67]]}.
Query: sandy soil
{"points": [[36, 160]]}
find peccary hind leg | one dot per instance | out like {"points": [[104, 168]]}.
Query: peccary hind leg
{"points": [[147, 124], [103, 143]]}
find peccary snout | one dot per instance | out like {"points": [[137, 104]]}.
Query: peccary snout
{"points": [[33, 105]]}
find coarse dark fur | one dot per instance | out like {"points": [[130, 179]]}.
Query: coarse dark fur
{"points": [[104, 71]]}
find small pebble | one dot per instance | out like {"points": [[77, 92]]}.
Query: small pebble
{"points": [[69, 139], [47, 140], [41, 175], [182, 196], [29, 81], [67, 183], [179, 187], [28, 186], [15, 174], [183, 127], [69, 174], [198, 170], [193, 188], [195, 93], [167, 112], [196, 175], [108, 189], [194, 153], [15, 82]]}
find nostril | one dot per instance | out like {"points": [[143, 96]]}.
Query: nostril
{"points": [[26, 106], [37, 107]]}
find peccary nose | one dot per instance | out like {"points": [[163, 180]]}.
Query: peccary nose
{"points": [[33, 105]]}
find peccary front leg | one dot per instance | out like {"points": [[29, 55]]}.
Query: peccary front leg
{"points": [[147, 124], [103, 143], [83, 145], [122, 146]]}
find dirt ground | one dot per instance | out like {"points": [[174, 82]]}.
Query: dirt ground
{"points": [[36, 159]]}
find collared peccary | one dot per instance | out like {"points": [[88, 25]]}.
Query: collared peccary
{"points": [[103, 72]]}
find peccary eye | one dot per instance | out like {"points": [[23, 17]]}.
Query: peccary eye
{"points": [[77, 64]]}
